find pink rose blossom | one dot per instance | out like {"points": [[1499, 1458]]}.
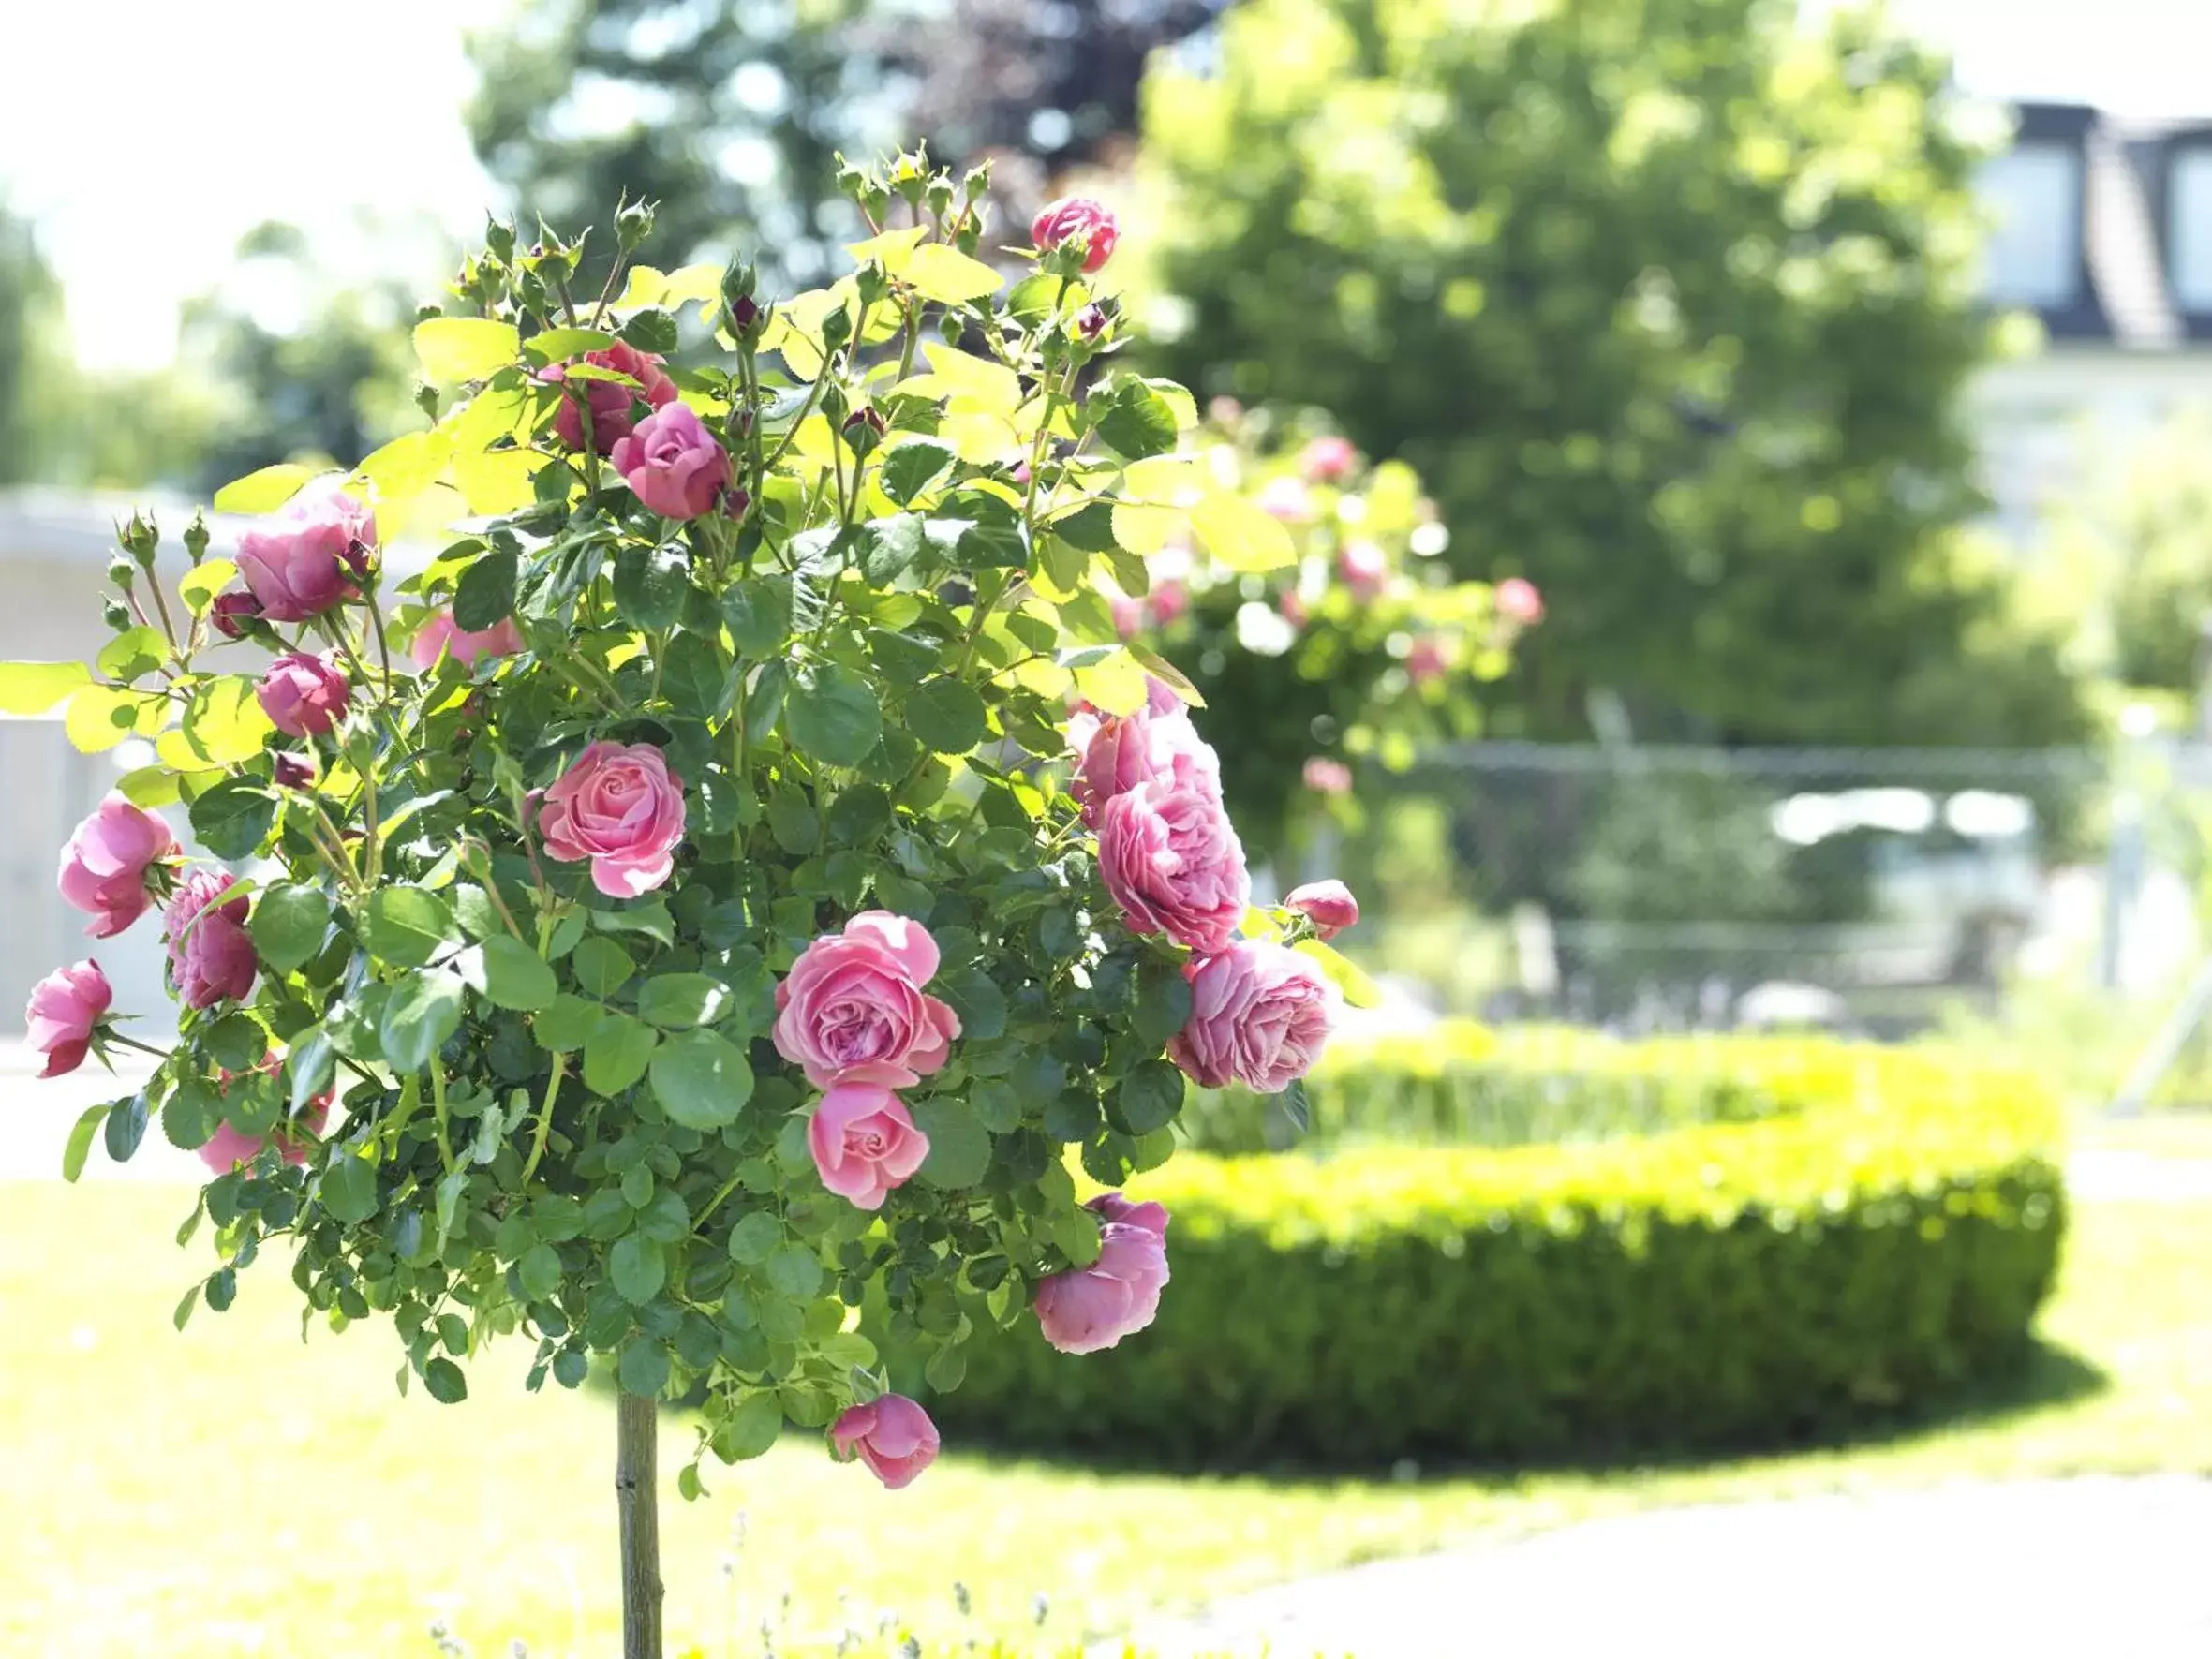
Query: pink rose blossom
{"points": [[1328, 460], [308, 558], [211, 956], [1286, 498], [1327, 776], [892, 1435], [1260, 1013], [1120, 751], [304, 696], [852, 1009], [1077, 216], [620, 807], [1168, 599], [1086, 1309], [1518, 600], [1171, 860], [1223, 411], [105, 863], [673, 463], [1428, 659], [864, 1142], [441, 635], [1364, 568], [65, 1009], [1292, 606], [1128, 614], [610, 404], [1329, 904], [230, 1147]]}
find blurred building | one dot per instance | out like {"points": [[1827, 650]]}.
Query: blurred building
{"points": [[2103, 229]]}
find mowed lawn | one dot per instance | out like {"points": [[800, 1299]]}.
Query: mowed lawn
{"points": [[235, 1491]]}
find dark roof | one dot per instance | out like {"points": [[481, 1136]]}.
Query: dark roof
{"points": [[2126, 295]]}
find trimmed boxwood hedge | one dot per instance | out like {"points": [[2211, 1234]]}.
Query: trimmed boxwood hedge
{"points": [[1885, 1232]]}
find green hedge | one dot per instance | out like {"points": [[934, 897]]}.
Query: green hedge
{"points": [[1884, 1233]]}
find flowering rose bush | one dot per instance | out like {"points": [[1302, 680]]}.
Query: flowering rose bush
{"points": [[1357, 645], [694, 935]]}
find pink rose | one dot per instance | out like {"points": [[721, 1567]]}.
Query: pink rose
{"points": [[65, 1009], [229, 611], [1128, 614], [1075, 218], [1364, 566], [1286, 498], [893, 1436], [1120, 751], [1329, 460], [309, 559], [611, 405], [1171, 860], [104, 865], [292, 772], [304, 696], [1086, 1309], [1292, 607], [211, 956], [673, 463], [230, 1146], [1329, 904], [440, 635], [1327, 776], [1260, 1014], [864, 1142], [852, 1009], [1427, 659], [1169, 599], [620, 807], [1518, 600]]}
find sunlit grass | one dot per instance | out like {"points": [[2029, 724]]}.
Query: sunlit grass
{"points": [[232, 1491]]}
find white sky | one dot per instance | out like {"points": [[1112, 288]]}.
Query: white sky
{"points": [[146, 136]]}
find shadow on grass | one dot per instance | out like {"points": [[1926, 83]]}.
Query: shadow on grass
{"points": [[2046, 1378]]}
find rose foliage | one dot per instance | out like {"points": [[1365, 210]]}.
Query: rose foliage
{"points": [[662, 924]]}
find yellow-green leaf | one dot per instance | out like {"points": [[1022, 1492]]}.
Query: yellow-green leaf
{"points": [[100, 717], [948, 276], [496, 480], [407, 465], [894, 248], [1114, 685], [224, 725], [642, 287], [33, 687], [1360, 990], [1242, 536], [703, 282], [204, 582], [456, 349], [1167, 673], [1144, 527], [150, 786], [265, 491], [971, 382]]}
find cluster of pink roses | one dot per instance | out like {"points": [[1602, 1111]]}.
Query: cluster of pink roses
{"points": [[668, 459]]}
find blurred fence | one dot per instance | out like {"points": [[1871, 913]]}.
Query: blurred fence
{"points": [[1677, 888]]}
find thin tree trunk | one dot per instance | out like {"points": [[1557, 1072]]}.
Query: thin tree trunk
{"points": [[639, 1507]]}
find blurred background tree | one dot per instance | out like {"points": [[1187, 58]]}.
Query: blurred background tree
{"points": [[1670, 304], [31, 353]]}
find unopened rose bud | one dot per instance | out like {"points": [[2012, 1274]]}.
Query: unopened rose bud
{"points": [[499, 238], [139, 537], [1078, 220], [1091, 321], [633, 223], [426, 398], [122, 572], [863, 429], [230, 612], [294, 773], [744, 315], [196, 538], [359, 557], [116, 615], [737, 501]]}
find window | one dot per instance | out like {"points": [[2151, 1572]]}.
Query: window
{"points": [[2189, 228], [2034, 196]]}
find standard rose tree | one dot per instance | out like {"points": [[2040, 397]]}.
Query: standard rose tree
{"points": [[685, 913]]}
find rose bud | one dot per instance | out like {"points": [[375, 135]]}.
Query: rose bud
{"points": [[1077, 218]]}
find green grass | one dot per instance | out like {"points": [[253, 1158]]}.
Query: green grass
{"points": [[230, 1492]]}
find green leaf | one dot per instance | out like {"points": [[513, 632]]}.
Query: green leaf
{"points": [[1242, 535], [755, 1238], [758, 614], [183, 1308], [948, 714], [832, 714], [456, 349], [349, 1189], [311, 1066], [1359, 990], [696, 678], [651, 584], [764, 704], [651, 330], [860, 814], [946, 1369], [948, 276], [889, 547], [289, 923], [232, 818], [1135, 420], [638, 1268], [648, 916], [485, 594], [265, 491], [702, 1080], [617, 1053], [407, 927], [538, 1271], [601, 966], [133, 652], [515, 976], [1162, 1004], [125, 1127], [642, 1369], [236, 1042], [553, 346], [959, 1146], [191, 1115], [794, 1272], [1088, 529], [1150, 1097], [568, 1024], [445, 1381], [977, 998], [751, 1429], [678, 1001], [198, 585], [423, 1011], [984, 530], [912, 467], [79, 1145]]}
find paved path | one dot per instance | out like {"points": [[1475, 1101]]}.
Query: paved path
{"points": [[2101, 1568]]}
